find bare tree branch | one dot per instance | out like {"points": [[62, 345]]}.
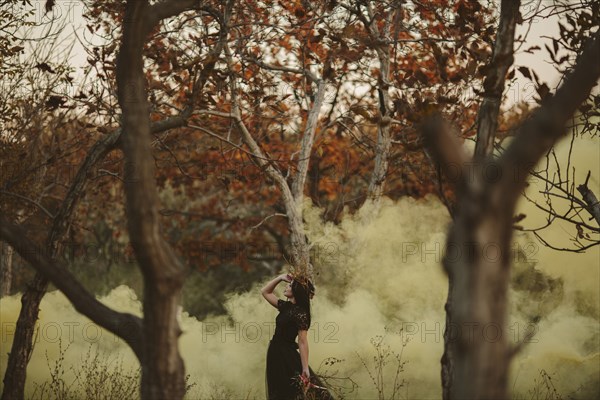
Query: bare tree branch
{"points": [[592, 204], [493, 85], [300, 71], [308, 138], [32, 201], [547, 124], [169, 8], [445, 149], [124, 325], [551, 246], [212, 134]]}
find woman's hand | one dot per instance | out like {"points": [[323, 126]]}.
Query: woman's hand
{"points": [[285, 277], [306, 374]]}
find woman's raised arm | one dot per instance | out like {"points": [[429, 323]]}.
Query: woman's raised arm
{"points": [[267, 290]]}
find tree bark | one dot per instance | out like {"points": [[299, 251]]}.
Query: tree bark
{"points": [[7, 263], [384, 139], [493, 85], [300, 250], [22, 345], [477, 255]]}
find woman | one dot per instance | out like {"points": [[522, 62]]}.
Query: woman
{"points": [[286, 368]]}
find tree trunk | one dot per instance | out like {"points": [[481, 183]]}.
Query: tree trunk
{"points": [[163, 372], [448, 356], [478, 245], [478, 257], [493, 85], [163, 306], [292, 197], [22, 345], [501, 61], [7, 264], [384, 139]]}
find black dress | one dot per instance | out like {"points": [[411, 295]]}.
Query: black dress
{"points": [[283, 358]]}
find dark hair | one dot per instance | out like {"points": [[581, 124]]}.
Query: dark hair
{"points": [[302, 294]]}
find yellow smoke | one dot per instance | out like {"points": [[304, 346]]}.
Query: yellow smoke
{"points": [[60, 325]]}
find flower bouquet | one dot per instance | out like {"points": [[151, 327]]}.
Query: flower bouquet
{"points": [[309, 389]]}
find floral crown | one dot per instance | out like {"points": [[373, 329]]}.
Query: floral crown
{"points": [[304, 281]]}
